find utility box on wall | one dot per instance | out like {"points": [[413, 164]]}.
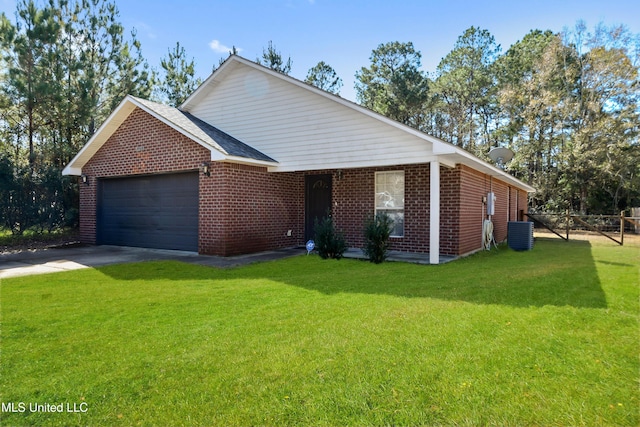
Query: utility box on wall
{"points": [[520, 235], [491, 203]]}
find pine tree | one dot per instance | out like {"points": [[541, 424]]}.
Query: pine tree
{"points": [[323, 76], [466, 84], [273, 59], [393, 84], [178, 81]]}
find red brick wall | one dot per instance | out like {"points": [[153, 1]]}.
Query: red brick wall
{"points": [[450, 216], [354, 201], [141, 145], [88, 210], [523, 203], [500, 218], [473, 186], [246, 209], [242, 209], [468, 210], [462, 210], [144, 145]]}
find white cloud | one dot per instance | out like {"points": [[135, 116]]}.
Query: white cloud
{"points": [[218, 47], [147, 29]]}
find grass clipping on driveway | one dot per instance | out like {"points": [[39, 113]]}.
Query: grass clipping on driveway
{"points": [[545, 337]]}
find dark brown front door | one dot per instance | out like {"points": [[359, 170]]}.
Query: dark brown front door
{"points": [[317, 201]]}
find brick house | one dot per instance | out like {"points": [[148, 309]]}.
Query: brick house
{"points": [[252, 157]]}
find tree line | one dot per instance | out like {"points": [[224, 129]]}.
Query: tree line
{"points": [[567, 103]]}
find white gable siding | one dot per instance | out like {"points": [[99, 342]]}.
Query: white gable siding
{"points": [[301, 129]]}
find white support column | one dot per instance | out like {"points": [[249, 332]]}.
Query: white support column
{"points": [[434, 213]]}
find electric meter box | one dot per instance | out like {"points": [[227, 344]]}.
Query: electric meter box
{"points": [[491, 203]]}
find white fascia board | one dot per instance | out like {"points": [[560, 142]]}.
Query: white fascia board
{"points": [[216, 156], [98, 139], [446, 162], [357, 164], [112, 124], [247, 161], [68, 170], [480, 165]]}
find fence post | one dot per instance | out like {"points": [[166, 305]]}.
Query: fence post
{"points": [[568, 225], [622, 228]]}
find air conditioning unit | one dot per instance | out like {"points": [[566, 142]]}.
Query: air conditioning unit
{"points": [[520, 235]]}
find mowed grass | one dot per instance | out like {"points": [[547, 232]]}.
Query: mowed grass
{"points": [[546, 337]]}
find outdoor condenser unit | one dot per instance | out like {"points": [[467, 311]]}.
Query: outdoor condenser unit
{"points": [[520, 235]]}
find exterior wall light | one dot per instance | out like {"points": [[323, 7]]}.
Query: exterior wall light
{"points": [[205, 169], [85, 179]]}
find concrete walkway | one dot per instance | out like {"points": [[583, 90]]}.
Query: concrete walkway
{"points": [[410, 257], [43, 261], [53, 260]]}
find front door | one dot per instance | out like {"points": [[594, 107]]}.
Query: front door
{"points": [[317, 202]]}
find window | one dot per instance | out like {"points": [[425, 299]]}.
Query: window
{"points": [[390, 198]]}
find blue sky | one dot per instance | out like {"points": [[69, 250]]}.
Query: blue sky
{"points": [[343, 33]]}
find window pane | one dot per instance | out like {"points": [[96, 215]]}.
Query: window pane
{"points": [[398, 223], [390, 190]]}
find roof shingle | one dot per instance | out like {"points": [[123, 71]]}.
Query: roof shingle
{"points": [[207, 133]]}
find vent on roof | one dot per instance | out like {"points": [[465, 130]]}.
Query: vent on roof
{"points": [[520, 235]]}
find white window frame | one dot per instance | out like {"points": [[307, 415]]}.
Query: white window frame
{"points": [[396, 204]]}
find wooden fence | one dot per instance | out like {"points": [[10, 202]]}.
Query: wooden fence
{"points": [[612, 227]]}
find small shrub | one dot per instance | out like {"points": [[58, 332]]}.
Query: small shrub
{"points": [[330, 243], [377, 230]]}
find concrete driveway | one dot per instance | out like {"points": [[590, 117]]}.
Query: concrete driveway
{"points": [[72, 258]]}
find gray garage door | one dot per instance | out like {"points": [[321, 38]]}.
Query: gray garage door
{"points": [[159, 211]]}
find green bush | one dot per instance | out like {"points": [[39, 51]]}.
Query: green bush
{"points": [[377, 230], [330, 243], [37, 198]]}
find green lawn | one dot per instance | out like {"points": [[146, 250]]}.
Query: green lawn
{"points": [[546, 337]]}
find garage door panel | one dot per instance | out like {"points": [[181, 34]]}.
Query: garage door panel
{"points": [[158, 211]]}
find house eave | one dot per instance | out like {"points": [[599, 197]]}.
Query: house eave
{"points": [[446, 153], [249, 162], [72, 171], [110, 125], [348, 164], [465, 158], [115, 120]]}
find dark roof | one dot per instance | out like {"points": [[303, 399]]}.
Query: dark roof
{"points": [[209, 134], [229, 144]]}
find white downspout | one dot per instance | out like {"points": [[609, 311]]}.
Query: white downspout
{"points": [[434, 213]]}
